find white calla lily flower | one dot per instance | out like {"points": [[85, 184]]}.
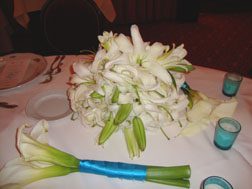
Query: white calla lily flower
{"points": [[38, 160]]}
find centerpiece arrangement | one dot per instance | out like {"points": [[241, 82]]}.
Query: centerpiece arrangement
{"points": [[131, 85]]}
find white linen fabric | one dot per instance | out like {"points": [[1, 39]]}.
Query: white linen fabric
{"points": [[198, 151]]}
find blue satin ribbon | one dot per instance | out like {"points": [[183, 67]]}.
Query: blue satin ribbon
{"points": [[185, 85], [114, 169]]}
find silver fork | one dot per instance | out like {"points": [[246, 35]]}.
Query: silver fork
{"points": [[8, 106]]}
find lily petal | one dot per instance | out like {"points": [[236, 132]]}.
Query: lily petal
{"points": [[137, 40], [17, 173]]}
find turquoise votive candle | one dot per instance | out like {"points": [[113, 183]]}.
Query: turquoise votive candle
{"points": [[231, 84], [215, 182], [226, 132]]}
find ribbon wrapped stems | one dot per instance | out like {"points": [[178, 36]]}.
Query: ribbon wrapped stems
{"points": [[38, 160]]}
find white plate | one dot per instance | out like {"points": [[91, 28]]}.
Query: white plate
{"points": [[50, 105], [33, 66]]}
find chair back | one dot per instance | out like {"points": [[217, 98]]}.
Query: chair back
{"points": [[70, 26]]}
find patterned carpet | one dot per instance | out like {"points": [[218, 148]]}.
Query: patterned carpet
{"points": [[219, 41]]}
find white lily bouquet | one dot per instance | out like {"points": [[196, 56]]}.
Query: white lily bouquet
{"points": [[134, 86], [131, 86]]}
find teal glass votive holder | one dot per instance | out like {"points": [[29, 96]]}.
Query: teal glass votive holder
{"points": [[231, 84], [226, 132], [215, 182]]}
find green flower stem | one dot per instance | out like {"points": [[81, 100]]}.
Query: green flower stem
{"points": [[166, 136], [172, 182], [180, 69], [176, 172], [52, 171], [173, 79], [46, 153], [176, 176], [165, 109], [192, 95]]}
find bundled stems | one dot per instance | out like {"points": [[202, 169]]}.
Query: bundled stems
{"points": [[175, 176]]}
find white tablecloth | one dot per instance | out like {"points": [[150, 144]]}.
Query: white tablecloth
{"points": [[198, 151]]}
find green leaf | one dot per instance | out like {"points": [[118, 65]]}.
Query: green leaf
{"points": [[180, 69], [166, 136], [161, 95], [165, 109], [74, 116], [87, 51], [173, 79]]}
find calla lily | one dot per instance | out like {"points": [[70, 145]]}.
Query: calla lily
{"points": [[17, 173], [32, 150], [43, 161], [204, 110], [38, 160]]}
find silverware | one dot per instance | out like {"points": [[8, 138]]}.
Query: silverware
{"points": [[6, 105], [53, 70]]}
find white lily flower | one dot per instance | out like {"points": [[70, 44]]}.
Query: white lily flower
{"points": [[126, 98], [138, 43], [106, 39], [155, 50], [159, 71], [81, 69], [123, 59], [132, 72], [115, 77], [98, 60], [17, 173], [124, 44]]}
